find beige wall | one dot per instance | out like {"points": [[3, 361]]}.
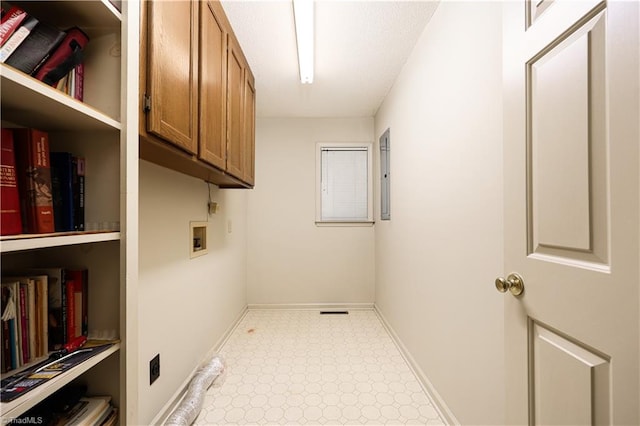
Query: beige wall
{"points": [[185, 304], [437, 258], [290, 259]]}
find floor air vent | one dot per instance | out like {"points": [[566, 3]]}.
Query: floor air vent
{"points": [[334, 312]]}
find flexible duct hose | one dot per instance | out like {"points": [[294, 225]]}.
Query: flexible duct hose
{"points": [[189, 409]]}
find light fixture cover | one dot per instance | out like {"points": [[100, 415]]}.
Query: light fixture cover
{"points": [[304, 21]]}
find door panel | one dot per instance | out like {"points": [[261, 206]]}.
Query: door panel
{"points": [[569, 382], [173, 72], [571, 151], [235, 88], [567, 154], [213, 83]]}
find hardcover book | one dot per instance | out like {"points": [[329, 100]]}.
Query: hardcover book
{"points": [[31, 318], [80, 279], [62, 191], [11, 20], [34, 179], [31, 53], [10, 219], [79, 172], [66, 56], [18, 37], [78, 91], [70, 312], [23, 327], [41, 313]]}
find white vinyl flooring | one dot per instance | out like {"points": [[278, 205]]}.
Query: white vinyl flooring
{"points": [[297, 367]]}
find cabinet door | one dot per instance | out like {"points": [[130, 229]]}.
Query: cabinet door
{"points": [[235, 88], [173, 72], [249, 127], [213, 83]]}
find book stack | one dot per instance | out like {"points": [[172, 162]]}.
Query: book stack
{"points": [[43, 51], [42, 192], [42, 310], [72, 83], [24, 320], [90, 411], [71, 406]]}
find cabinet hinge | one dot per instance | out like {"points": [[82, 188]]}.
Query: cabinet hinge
{"points": [[147, 103]]}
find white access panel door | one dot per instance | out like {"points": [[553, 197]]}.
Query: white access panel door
{"points": [[571, 152]]}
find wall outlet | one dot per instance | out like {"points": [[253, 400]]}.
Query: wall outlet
{"points": [[154, 369]]}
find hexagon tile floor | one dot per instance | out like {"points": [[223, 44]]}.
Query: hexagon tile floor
{"points": [[298, 367]]}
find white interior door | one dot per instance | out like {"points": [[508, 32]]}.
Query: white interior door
{"points": [[571, 141]]}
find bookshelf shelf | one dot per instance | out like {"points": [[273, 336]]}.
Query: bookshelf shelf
{"points": [[47, 107], [23, 242], [20, 405]]}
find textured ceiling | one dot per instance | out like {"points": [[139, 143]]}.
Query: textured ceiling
{"points": [[361, 47]]}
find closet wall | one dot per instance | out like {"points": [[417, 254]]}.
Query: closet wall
{"points": [[290, 259], [436, 260], [186, 305]]}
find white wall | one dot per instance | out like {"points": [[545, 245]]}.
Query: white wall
{"points": [[185, 305], [290, 259], [436, 260]]}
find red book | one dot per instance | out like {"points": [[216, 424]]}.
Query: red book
{"points": [[34, 179], [10, 22], [79, 73], [10, 220], [71, 310], [80, 278], [66, 56]]}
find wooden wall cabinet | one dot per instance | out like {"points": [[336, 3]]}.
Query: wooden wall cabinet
{"points": [[198, 93]]}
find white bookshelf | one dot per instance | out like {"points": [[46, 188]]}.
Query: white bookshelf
{"points": [[103, 129]]}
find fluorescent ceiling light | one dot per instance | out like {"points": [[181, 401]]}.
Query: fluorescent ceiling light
{"points": [[303, 18]]}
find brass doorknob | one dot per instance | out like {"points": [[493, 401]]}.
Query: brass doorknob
{"points": [[514, 283]]}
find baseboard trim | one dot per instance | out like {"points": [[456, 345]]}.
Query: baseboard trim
{"points": [[311, 306], [173, 402], [430, 390]]}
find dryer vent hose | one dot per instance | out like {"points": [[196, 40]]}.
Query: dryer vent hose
{"points": [[190, 406]]}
